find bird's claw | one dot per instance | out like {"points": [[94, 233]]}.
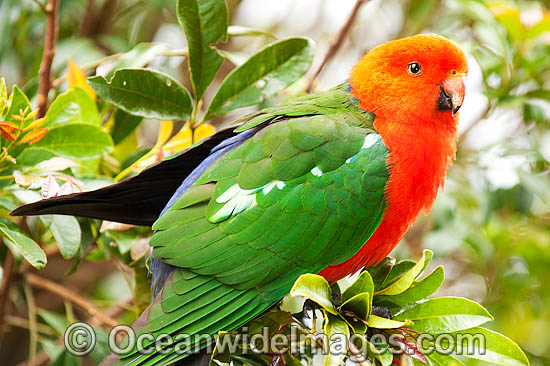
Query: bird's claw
{"points": [[309, 306], [381, 311]]}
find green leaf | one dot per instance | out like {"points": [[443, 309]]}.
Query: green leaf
{"points": [[7, 204], [125, 124], [137, 57], [18, 102], [235, 57], [54, 320], [142, 288], [72, 106], [144, 93], [336, 329], [380, 272], [75, 140], [240, 31], [408, 278], [359, 304], [398, 271], [204, 23], [65, 359], [362, 284], [124, 239], [419, 289], [31, 156], [378, 322], [3, 96], [265, 73], [542, 94], [498, 349], [445, 314], [382, 354], [315, 288], [51, 348], [274, 320], [438, 359], [28, 247], [66, 232]]}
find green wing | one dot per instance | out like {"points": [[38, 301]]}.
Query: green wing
{"points": [[304, 192]]}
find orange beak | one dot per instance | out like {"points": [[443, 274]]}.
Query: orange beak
{"points": [[452, 93]]}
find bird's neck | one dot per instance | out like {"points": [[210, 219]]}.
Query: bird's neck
{"points": [[418, 158], [419, 154]]}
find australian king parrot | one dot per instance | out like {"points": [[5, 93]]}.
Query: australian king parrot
{"points": [[326, 183]]}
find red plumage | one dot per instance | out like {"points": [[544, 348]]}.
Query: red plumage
{"points": [[420, 137]]}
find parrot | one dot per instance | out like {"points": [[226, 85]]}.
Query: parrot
{"points": [[326, 183]]}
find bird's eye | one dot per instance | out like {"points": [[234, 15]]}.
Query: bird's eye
{"points": [[414, 68]]}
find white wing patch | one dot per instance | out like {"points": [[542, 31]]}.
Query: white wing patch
{"points": [[236, 199], [370, 140], [316, 171]]}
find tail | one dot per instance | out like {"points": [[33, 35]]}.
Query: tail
{"points": [[138, 200]]}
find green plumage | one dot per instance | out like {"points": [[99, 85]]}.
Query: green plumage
{"points": [[304, 192]]}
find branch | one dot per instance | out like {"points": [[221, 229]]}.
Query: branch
{"points": [[6, 284], [336, 42], [87, 20], [67, 294], [33, 328], [15, 321], [47, 57]]}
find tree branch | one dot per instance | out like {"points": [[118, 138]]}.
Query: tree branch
{"points": [[336, 42], [33, 328], [6, 284], [87, 20], [76, 299], [51, 11]]}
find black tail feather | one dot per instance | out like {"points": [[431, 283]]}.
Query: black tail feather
{"points": [[138, 200]]}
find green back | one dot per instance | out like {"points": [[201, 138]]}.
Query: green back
{"points": [[304, 192]]}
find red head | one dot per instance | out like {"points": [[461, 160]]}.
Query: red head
{"points": [[412, 80]]}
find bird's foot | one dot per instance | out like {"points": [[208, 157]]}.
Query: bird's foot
{"points": [[309, 306], [381, 311], [312, 306]]}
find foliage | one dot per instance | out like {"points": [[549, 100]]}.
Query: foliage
{"points": [[92, 135]]}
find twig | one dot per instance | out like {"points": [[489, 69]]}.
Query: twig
{"points": [[113, 312], [6, 284], [67, 294], [16, 321], [33, 328], [87, 20], [47, 57], [336, 42]]}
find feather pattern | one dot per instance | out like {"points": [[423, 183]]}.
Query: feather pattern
{"points": [[261, 215]]}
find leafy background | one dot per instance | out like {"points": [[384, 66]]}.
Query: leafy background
{"points": [[490, 228]]}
